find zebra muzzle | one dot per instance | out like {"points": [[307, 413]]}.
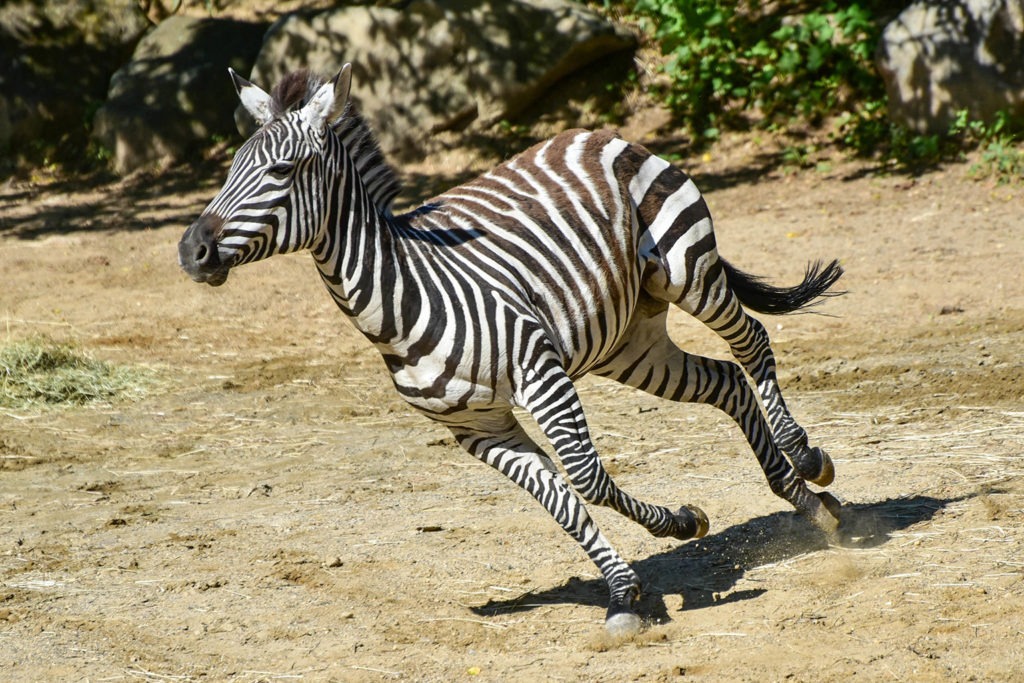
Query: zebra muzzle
{"points": [[198, 254]]}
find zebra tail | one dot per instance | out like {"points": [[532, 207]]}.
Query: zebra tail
{"points": [[757, 295]]}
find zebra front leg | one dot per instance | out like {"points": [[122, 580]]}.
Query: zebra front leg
{"points": [[552, 400], [511, 451]]}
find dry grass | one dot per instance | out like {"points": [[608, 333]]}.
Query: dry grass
{"points": [[40, 370]]}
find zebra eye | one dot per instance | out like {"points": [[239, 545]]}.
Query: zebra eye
{"points": [[281, 169]]}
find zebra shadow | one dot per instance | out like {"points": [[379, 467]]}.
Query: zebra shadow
{"points": [[705, 571]]}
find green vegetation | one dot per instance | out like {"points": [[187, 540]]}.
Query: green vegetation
{"points": [[1002, 154], [728, 57], [40, 371], [1001, 159], [741, 64]]}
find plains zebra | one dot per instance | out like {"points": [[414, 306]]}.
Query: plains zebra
{"points": [[500, 292]]}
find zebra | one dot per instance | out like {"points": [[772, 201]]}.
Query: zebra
{"points": [[501, 292]]}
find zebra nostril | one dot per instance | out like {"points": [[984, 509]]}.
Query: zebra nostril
{"points": [[197, 249]]}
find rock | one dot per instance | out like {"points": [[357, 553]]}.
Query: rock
{"points": [[941, 56], [5, 126], [174, 96], [435, 65], [56, 59]]}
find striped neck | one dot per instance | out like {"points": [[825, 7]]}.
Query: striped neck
{"points": [[356, 253]]}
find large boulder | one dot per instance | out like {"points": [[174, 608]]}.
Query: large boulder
{"points": [[436, 65], [174, 96], [941, 56], [56, 58]]}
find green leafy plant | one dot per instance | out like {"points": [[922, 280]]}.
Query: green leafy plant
{"points": [[727, 58], [1002, 159], [1002, 153], [732, 64]]}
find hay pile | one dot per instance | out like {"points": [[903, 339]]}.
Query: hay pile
{"points": [[41, 371]]}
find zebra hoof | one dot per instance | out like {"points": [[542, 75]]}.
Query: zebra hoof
{"points": [[622, 621], [813, 465], [691, 522], [832, 504], [825, 512], [827, 473], [623, 624]]}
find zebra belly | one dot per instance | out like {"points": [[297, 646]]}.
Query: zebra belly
{"points": [[486, 368], [552, 236], [435, 387], [584, 335]]}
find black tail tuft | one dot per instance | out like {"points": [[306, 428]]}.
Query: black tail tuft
{"points": [[757, 295]]}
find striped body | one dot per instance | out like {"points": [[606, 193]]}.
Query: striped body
{"points": [[535, 243], [500, 292], [553, 239]]}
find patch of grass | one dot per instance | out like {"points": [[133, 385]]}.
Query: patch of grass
{"points": [[41, 371], [1001, 159]]}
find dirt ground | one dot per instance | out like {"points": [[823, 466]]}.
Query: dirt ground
{"points": [[270, 509]]}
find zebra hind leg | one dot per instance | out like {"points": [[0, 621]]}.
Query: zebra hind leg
{"points": [[502, 444], [717, 304], [749, 343], [682, 267], [651, 362]]}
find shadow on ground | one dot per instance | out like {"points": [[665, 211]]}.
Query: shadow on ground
{"points": [[138, 202], [704, 572], [101, 202]]}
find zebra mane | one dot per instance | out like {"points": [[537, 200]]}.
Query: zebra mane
{"points": [[296, 88]]}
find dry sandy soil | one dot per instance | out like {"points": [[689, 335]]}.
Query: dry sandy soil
{"points": [[270, 510]]}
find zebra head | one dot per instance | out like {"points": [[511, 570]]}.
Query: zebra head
{"points": [[274, 200]]}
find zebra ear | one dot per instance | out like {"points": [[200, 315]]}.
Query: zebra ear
{"points": [[329, 101], [254, 99], [343, 85]]}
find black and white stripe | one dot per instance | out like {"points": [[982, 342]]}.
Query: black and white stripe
{"points": [[502, 291]]}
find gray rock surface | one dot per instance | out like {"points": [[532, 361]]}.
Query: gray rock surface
{"points": [[56, 59], [941, 56], [175, 96], [433, 65]]}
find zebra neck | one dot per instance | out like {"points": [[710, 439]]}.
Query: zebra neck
{"points": [[357, 256]]}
